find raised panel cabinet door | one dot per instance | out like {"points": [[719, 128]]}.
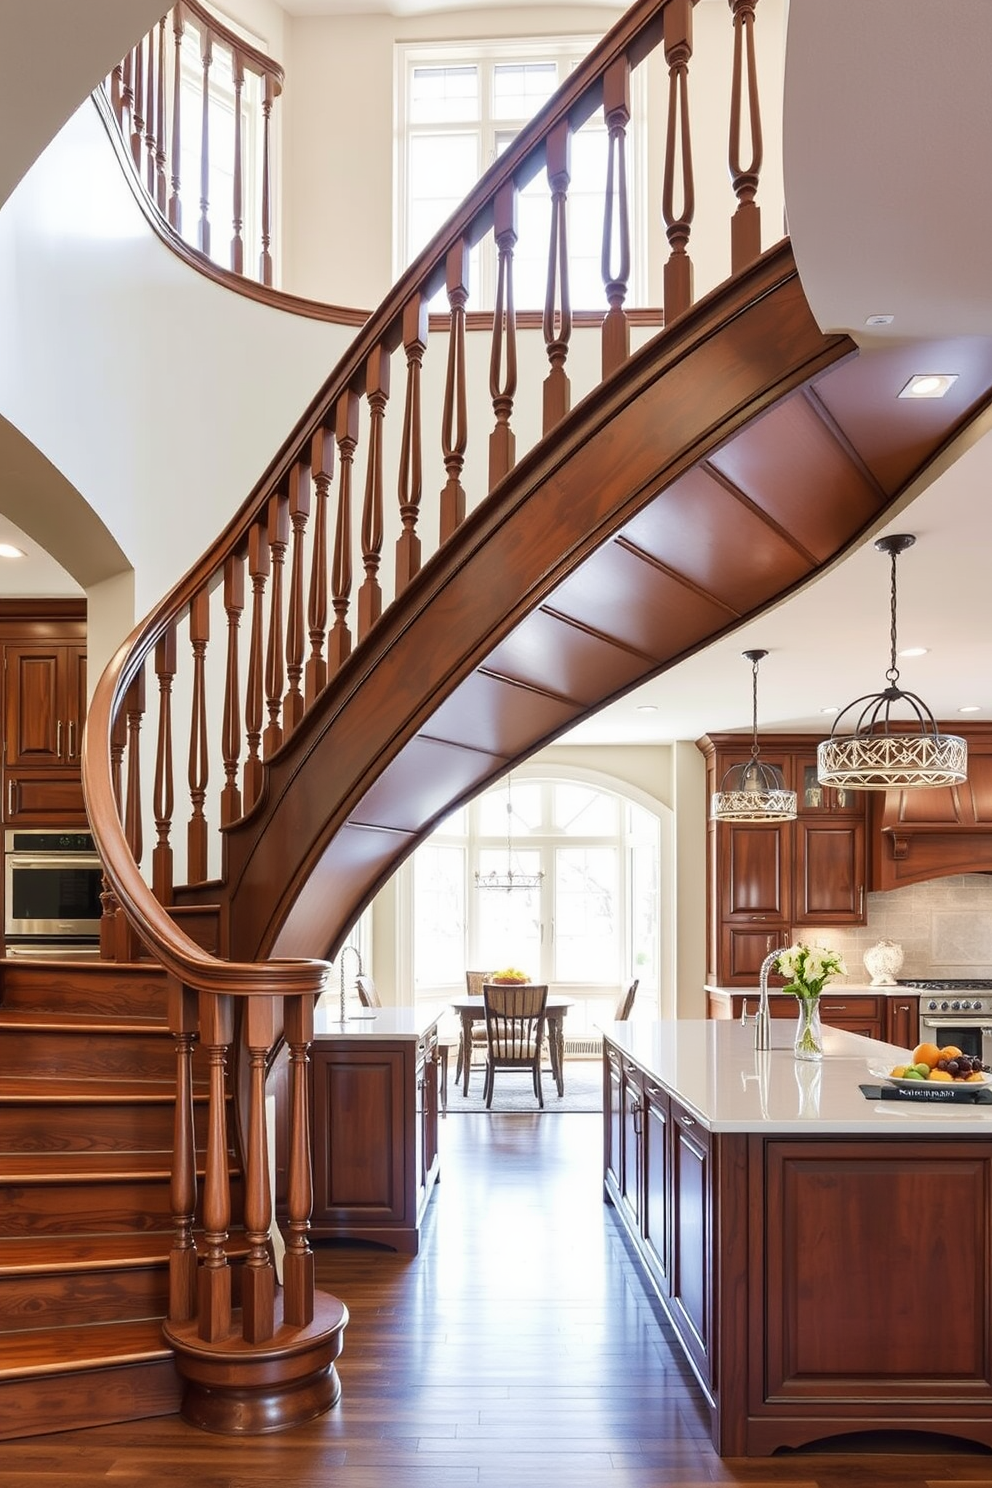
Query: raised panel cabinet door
{"points": [[656, 1183], [903, 1020], [742, 949], [36, 728], [633, 1115], [613, 1123], [831, 872], [692, 1258], [753, 871], [75, 701], [360, 1151]]}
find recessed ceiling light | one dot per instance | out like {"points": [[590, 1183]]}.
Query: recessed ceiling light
{"points": [[929, 385], [829, 710], [877, 320], [914, 651], [971, 708], [647, 707], [7, 550]]}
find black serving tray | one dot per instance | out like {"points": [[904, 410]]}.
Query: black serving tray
{"points": [[936, 1094]]}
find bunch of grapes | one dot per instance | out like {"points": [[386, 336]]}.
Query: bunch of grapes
{"points": [[963, 1065]]}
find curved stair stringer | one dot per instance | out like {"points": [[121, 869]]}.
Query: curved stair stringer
{"points": [[503, 641]]}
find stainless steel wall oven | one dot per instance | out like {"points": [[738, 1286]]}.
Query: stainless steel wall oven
{"points": [[52, 884]]}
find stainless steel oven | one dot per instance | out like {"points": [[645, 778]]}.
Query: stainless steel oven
{"points": [[956, 1012], [52, 884]]}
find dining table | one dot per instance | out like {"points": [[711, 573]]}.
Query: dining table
{"points": [[473, 1010]]}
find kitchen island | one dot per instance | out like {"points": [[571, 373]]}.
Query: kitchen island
{"points": [[825, 1259]]}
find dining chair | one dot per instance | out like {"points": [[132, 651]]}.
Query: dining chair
{"points": [[368, 992], [626, 1003], [515, 1027], [474, 983]]}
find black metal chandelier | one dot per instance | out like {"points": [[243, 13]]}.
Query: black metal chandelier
{"points": [[872, 755], [753, 791]]}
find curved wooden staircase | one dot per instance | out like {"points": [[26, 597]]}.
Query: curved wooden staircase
{"points": [[706, 474]]}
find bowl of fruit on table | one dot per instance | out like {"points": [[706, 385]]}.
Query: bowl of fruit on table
{"points": [[935, 1066]]}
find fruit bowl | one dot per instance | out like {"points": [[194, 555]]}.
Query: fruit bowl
{"points": [[884, 1073]]}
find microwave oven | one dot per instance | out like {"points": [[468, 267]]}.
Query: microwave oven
{"points": [[52, 886]]}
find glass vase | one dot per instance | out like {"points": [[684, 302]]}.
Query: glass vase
{"points": [[809, 1034]]}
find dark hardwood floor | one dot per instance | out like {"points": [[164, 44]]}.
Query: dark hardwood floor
{"points": [[520, 1349]]}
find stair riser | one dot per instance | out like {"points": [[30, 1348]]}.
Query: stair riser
{"points": [[92, 1128], [66, 1402], [107, 990], [88, 1055], [74, 1298], [96, 1208]]}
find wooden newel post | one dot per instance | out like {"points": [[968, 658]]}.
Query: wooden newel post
{"points": [[182, 1004], [258, 1282], [214, 1277], [298, 1263]]}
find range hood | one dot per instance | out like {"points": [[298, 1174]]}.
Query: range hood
{"points": [[921, 834]]}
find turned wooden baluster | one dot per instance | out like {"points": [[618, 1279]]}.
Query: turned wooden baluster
{"points": [[410, 484], [237, 184], [214, 1276], [165, 670], [503, 383], [557, 302], [299, 514], [745, 225], [298, 1262], [454, 417], [175, 204], [151, 76], [322, 470], [377, 392], [234, 604], [134, 704], [160, 120], [258, 572], [182, 1005], [137, 105], [678, 160], [278, 542], [616, 218], [258, 1282], [270, 93], [117, 95], [198, 774], [206, 58], [346, 433], [110, 916]]}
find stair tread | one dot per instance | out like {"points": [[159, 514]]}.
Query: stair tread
{"points": [[64, 1350], [17, 1090], [23, 1255], [78, 1167], [61, 1022]]}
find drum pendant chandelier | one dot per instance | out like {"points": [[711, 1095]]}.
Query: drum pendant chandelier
{"points": [[754, 791], [871, 756]]}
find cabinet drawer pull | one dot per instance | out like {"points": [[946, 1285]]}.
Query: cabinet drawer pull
{"points": [[687, 1120], [58, 738], [72, 740], [10, 797], [835, 1007]]}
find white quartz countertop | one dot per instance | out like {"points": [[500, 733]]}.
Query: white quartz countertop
{"points": [[713, 1068], [386, 1022], [832, 990]]}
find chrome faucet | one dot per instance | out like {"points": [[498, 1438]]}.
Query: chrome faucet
{"points": [[358, 957], [762, 1018]]}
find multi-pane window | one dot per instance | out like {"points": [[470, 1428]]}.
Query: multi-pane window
{"points": [[590, 923], [458, 110]]}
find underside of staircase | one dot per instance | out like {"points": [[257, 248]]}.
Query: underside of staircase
{"points": [[87, 1105]]}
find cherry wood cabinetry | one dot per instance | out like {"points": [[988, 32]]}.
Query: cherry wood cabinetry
{"points": [[767, 881], [44, 709], [375, 1136], [658, 1174], [894, 1020], [918, 835]]}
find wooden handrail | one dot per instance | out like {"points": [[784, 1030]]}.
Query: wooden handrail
{"points": [[277, 588]]}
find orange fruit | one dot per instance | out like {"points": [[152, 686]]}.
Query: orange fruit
{"points": [[950, 1052], [926, 1054]]}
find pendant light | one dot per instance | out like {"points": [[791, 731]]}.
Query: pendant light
{"points": [[871, 755], [511, 878], [754, 791]]}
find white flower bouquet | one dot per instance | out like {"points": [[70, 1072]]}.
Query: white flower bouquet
{"points": [[809, 968]]}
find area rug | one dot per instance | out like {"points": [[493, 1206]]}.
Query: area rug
{"points": [[514, 1092]]}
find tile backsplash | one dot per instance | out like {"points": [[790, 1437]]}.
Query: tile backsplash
{"points": [[944, 927]]}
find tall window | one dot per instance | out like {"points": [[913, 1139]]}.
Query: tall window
{"points": [[458, 110], [588, 927]]}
